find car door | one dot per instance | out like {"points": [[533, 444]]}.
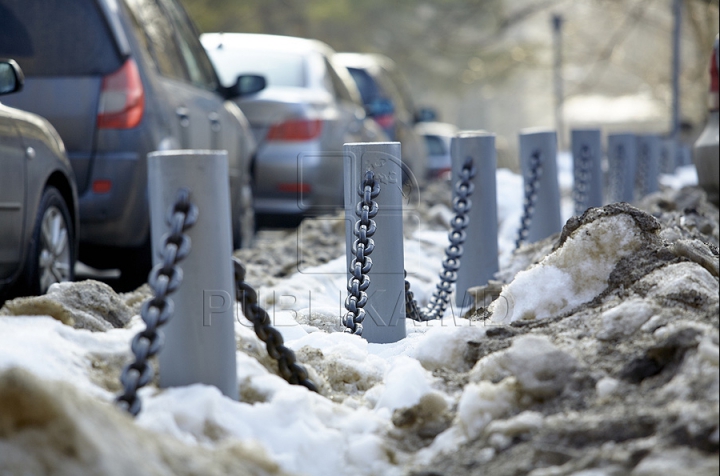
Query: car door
{"points": [[12, 195], [158, 34], [206, 103]]}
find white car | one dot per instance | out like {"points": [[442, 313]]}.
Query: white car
{"points": [[301, 119]]}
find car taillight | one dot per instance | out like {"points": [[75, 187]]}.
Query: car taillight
{"points": [[386, 121], [713, 103], [296, 129], [122, 98]]}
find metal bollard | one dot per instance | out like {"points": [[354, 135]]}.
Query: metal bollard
{"points": [[541, 144], [200, 338], [587, 166], [648, 165], [668, 156], [622, 160], [479, 262], [385, 320]]}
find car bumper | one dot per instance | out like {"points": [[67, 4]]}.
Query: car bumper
{"points": [[120, 216], [298, 178]]}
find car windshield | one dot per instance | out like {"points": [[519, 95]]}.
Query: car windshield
{"points": [[279, 68], [51, 38]]}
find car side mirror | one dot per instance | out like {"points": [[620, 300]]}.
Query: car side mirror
{"points": [[247, 84], [379, 107], [11, 77]]}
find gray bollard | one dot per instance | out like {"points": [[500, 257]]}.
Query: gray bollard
{"points": [[539, 147], [199, 344], [648, 166], [479, 262], [622, 160], [668, 156], [587, 167], [385, 320]]}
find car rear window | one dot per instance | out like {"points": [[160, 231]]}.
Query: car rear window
{"points": [[435, 145], [369, 90], [57, 38], [279, 69]]}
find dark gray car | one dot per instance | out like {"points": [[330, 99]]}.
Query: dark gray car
{"points": [[38, 199], [119, 79]]}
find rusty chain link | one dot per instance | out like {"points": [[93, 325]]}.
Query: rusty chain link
{"points": [[164, 279], [531, 195], [462, 204], [362, 247], [290, 370], [582, 180]]}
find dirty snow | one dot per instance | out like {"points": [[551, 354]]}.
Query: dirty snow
{"points": [[590, 368]]}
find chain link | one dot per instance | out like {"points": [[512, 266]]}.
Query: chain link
{"points": [[290, 370], [164, 279], [582, 180], [531, 195], [462, 204], [362, 247]]}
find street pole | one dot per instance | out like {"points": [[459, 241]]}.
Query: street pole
{"points": [[675, 126], [557, 21]]}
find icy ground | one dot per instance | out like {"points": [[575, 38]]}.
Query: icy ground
{"points": [[599, 358]]}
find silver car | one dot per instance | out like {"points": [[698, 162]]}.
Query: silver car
{"points": [[706, 152], [438, 136], [387, 99], [38, 199], [301, 119]]}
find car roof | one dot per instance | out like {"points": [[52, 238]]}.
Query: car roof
{"points": [[436, 128], [258, 41], [365, 61]]}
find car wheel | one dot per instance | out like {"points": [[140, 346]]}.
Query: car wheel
{"points": [[51, 255]]}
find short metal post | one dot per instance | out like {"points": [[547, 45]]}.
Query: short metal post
{"points": [[479, 262], [385, 320], [587, 166], [668, 156], [199, 345], [648, 166], [541, 144], [622, 160]]}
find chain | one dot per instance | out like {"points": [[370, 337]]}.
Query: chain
{"points": [[582, 180], [531, 195], [290, 370], [363, 245], [462, 204], [164, 279]]}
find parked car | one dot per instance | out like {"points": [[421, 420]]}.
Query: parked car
{"points": [[119, 79], [437, 137], [38, 199], [706, 150], [387, 99], [309, 108]]}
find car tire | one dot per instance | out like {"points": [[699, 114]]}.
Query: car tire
{"points": [[135, 265], [51, 253]]}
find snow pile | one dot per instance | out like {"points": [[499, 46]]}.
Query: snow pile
{"points": [[558, 284], [606, 363]]}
